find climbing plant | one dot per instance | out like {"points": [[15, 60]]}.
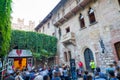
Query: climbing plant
{"points": [[5, 26], [39, 44]]}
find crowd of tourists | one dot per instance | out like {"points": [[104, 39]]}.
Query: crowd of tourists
{"points": [[112, 72], [64, 73], [41, 73]]}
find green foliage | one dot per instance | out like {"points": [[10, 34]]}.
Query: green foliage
{"points": [[5, 26], [39, 44]]}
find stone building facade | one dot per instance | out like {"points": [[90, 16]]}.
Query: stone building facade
{"points": [[86, 30], [20, 25]]}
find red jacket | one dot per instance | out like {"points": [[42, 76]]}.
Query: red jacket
{"points": [[80, 64]]}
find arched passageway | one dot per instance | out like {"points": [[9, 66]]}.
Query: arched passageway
{"points": [[88, 56]]}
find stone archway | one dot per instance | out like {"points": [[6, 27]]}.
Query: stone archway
{"points": [[88, 56]]}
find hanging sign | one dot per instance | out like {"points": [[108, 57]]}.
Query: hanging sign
{"points": [[18, 51]]}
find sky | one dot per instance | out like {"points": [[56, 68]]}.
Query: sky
{"points": [[35, 10]]}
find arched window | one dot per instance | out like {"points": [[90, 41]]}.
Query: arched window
{"points": [[117, 47], [65, 57], [59, 32], [81, 20], [91, 16], [70, 56]]}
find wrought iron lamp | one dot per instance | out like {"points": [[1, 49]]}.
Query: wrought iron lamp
{"points": [[102, 45]]}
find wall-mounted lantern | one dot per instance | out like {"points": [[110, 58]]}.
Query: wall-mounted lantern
{"points": [[102, 45]]}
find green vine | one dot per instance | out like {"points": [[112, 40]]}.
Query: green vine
{"points": [[5, 26], [39, 44]]}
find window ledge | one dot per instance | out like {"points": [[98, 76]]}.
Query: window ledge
{"points": [[93, 23]]}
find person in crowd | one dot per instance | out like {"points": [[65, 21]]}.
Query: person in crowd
{"points": [[36, 72], [65, 73], [56, 76], [117, 73], [101, 74], [10, 77], [46, 77], [18, 76], [111, 68], [80, 64], [32, 74], [56, 69], [61, 72], [92, 65], [38, 77], [44, 71], [112, 75], [117, 69], [50, 72], [97, 77], [85, 76], [53, 71], [78, 73], [25, 74], [89, 77], [115, 64]]}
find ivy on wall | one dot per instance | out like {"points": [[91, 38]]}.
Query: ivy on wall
{"points": [[5, 26], [40, 44]]}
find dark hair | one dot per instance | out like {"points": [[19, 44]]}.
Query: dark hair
{"points": [[46, 77], [111, 73], [18, 72], [56, 74], [114, 62], [98, 69], [86, 72], [89, 77]]}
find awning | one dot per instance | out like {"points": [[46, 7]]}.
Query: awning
{"points": [[20, 53]]}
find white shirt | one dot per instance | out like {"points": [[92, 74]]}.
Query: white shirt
{"points": [[18, 77], [38, 77]]}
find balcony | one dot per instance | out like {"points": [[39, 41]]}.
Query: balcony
{"points": [[71, 11], [68, 38]]}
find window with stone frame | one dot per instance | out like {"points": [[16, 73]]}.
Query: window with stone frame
{"points": [[119, 2], [81, 20], [67, 29], [91, 16], [65, 56], [43, 28], [70, 56], [48, 25], [59, 32], [117, 47]]}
